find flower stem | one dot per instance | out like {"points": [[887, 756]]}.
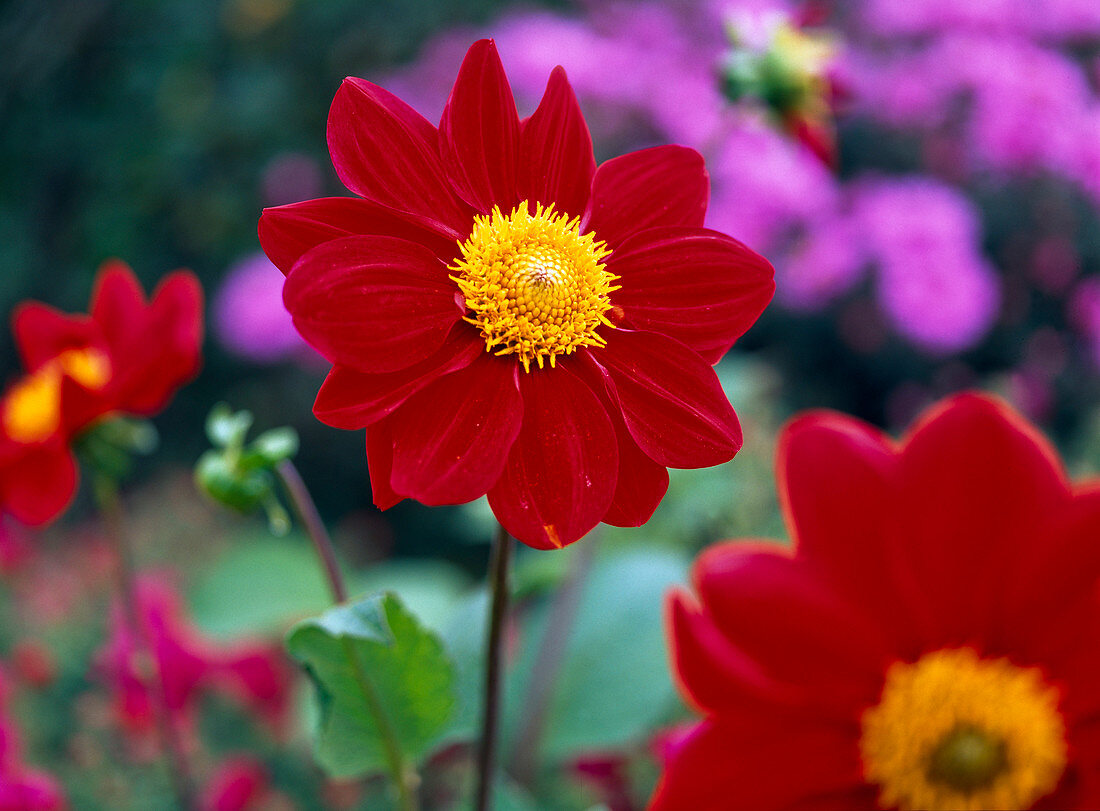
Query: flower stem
{"points": [[498, 608], [548, 662], [110, 510], [404, 776], [306, 511]]}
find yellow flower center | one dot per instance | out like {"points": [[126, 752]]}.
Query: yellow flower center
{"points": [[954, 731], [88, 367], [536, 287], [32, 408]]}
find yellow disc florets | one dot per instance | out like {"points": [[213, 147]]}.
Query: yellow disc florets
{"points": [[955, 731], [32, 409], [536, 287]]}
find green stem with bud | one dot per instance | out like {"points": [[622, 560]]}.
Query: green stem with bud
{"points": [[404, 775]]}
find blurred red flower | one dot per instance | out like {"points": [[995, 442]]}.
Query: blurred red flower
{"points": [[128, 356], [505, 318], [184, 665], [933, 641], [241, 783], [22, 788]]}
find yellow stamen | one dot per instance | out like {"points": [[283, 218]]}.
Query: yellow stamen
{"points": [[32, 408], [88, 367], [536, 287], [955, 731]]}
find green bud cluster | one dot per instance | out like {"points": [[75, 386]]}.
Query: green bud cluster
{"points": [[239, 475]]}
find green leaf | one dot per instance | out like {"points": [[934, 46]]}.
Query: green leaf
{"points": [[226, 428], [408, 694]]}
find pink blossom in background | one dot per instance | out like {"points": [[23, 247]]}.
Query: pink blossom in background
{"points": [[1046, 19], [823, 264], [765, 185], [1084, 313], [933, 282], [186, 665], [249, 318], [240, 783], [21, 787], [1015, 103]]}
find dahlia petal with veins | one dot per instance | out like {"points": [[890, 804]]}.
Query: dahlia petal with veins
{"points": [[501, 313]]}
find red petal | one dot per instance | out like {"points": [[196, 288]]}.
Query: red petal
{"points": [[698, 286], [351, 400], [978, 486], [479, 131], [160, 350], [641, 482], [768, 766], [42, 333], [1056, 577], [288, 232], [665, 185], [40, 483], [778, 612], [640, 486], [451, 439], [714, 675], [672, 402], [556, 162], [387, 152], [377, 304], [560, 476], [380, 464], [838, 485], [117, 299]]}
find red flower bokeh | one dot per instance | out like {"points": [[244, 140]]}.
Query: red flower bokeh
{"points": [[128, 356], [21, 787], [932, 641], [241, 783], [504, 317], [184, 665]]}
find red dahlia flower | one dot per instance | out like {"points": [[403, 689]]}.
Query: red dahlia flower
{"points": [[505, 318], [127, 357], [932, 642]]}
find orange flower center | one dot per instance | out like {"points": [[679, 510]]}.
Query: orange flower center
{"points": [[955, 731], [536, 287], [32, 408]]}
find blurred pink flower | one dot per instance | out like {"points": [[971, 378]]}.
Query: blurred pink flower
{"points": [[22, 788], [1084, 314], [1017, 106], [249, 317], [1054, 19], [933, 282], [827, 261], [765, 184], [240, 783], [185, 664]]}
